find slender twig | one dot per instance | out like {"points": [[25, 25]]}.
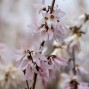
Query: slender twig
{"points": [[73, 55], [34, 83], [26, 81], [52, 6], [35, 78], [27, 84]]}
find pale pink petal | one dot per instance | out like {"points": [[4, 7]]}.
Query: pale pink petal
{"points": [[50, 34], [41, 57], [29, 73], [30, 63], [34, 69], [18, 63], [24, 64], [51, 74], [39, 31], [58, 62], [19, 57], [43, 76], [60, 13], [38, 62], [62, 60], [45, 36], [45, 14]]}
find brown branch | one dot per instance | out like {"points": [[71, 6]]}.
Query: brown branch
{"points": [[27, 84], [34, 83], [73, 55], [26, 81], [52, 6], [35, 78]]}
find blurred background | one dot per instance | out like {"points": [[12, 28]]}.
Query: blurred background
{"points": [[16, 16]]}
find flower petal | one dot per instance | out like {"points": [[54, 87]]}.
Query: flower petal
{"points": [[29, 73], [19, 63], [24, 64], [50, 34]]}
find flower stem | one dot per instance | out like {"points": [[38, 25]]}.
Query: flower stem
{"points": [[73, 55], [27, 84], [34, 83], [52, 6], [35, 78], [26, 81]]}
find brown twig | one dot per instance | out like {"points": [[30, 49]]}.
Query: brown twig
{"points": [[27, 84], [73, 55], [34, 83], [26, 81], [35, 78], [52, 6]]}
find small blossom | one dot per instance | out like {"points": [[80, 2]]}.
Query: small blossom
{"points": [[77, 85], [43, 72], [29, 61], [50, 26], [9, 76], [55, 63]]}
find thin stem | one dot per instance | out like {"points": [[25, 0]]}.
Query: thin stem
{"points": [[27, 84], [26, 81], [73, 55], [52, 6], [34, 83], [35, 78]]}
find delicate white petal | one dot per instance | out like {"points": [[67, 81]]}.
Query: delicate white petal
{"points": [[19, 63], [24, 64], [50, 34], [29, 73]]}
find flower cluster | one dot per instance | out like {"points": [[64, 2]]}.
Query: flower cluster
{"points": [[8, 72], [50, 26], [73, 82], [35, 62]]}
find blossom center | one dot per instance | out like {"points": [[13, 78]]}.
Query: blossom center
{"points": [[52, 16], [46, 18]]}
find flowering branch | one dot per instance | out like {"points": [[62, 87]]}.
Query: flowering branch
{"points": [[37, 63], [52, 6]]}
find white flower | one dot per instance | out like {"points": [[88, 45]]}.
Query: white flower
{"points": [[9, 76]]}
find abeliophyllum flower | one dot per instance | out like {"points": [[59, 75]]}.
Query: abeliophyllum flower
{"points": [[74, 82], [71, 81], [74, 39], [8, 72], [50, 26], [36, 63], [9, 76], [31, 62]]}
